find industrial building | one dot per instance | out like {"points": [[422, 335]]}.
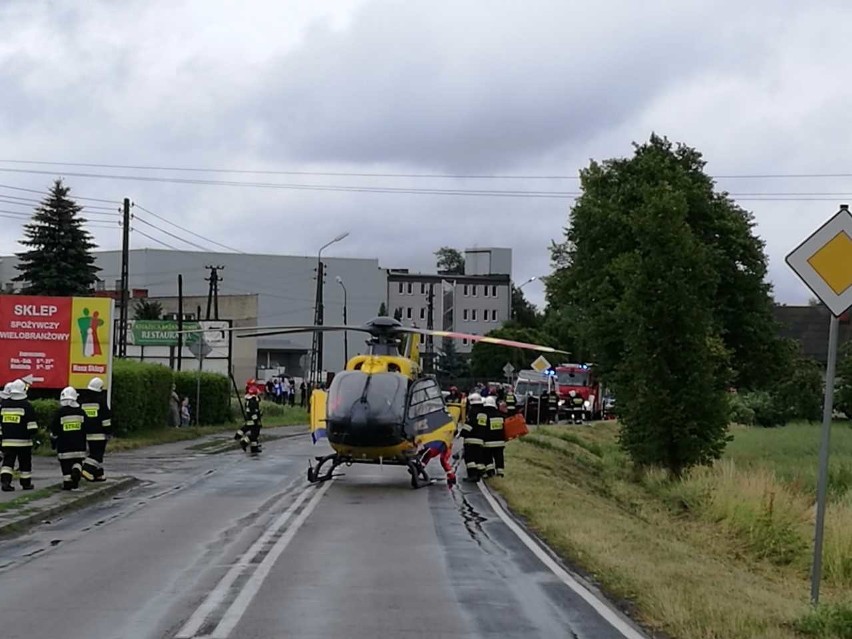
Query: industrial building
{"points": [[264, 290]]}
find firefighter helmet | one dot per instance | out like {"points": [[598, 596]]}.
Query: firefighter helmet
{"points": [[18, 389], [96, 384], [68, 396], [572, 393], [475, 398], [490, 401], [6, 391]]}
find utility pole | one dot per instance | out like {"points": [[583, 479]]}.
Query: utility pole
{"points": [[430, 324], [180, 322], [125, 279], [213, 290], [319, 314]]}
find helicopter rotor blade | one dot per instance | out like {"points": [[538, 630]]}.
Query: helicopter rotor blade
{"points": [[262, 331], [279, 329], [499, 341]]}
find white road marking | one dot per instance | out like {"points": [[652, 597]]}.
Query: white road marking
{"points": [[238, 608], [220, 591], [608, 614]]}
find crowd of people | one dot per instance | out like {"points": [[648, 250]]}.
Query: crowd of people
{"points": [[79, 431], [283, 390]]}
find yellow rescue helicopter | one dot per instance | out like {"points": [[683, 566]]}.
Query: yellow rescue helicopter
{"points": [[382, 409]]}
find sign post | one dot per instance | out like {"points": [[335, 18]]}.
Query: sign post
{"points": [[200, 348], [508, 369], [824, 263]]}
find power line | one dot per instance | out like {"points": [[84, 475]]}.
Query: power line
{"points": [[28, 202], [141, 167], [177, 237], [76, 197], [186, 230], [151, 237]]}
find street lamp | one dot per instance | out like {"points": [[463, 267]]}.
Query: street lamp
{"points": [[518, 288], [318, 315], [532, 279], [345, 333]]}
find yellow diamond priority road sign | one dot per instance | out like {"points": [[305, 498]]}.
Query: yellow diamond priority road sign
{"points": [[824, 262], [540, 364]]}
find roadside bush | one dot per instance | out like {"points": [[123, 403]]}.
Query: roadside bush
{"points": [[739, 410], [828, 621], [44, 409], [215, 396], [800, 394], [140, 395], [768, 413], [843, 395]]}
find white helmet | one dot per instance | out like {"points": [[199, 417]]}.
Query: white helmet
{"points": [[572, 393], [96, 384], [474, 398], [18, 389], [68, 396], [490, 401], [6, 391]]}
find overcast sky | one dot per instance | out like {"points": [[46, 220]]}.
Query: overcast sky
{"points": [[490, 87]]}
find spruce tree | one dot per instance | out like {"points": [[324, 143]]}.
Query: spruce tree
{"points": [[59, 260]]}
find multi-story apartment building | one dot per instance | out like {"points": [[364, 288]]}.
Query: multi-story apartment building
{"points": [[477, 302]]}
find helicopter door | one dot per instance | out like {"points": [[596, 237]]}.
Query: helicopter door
{"points": [[426, 410]]}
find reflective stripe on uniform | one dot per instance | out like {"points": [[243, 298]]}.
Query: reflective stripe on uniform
{"points": [[17, 443], [91, 462], [96, 437], [25, 475], [473, 441], [78, 454], [106, 423], [499, 444], [32, 426], [6, 470]]}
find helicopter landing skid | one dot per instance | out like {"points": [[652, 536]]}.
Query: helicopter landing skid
{"points": [[335, 459]]}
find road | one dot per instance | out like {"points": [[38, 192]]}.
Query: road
{"points": [[230, 546]]}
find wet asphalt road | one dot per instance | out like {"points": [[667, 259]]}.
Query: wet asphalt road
{"points": [[230, 546]]}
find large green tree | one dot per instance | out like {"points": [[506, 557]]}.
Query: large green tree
{"points": [[487, 360], [583, 280], [146, 309], [663, 279], [450, 261], [59, 260]]}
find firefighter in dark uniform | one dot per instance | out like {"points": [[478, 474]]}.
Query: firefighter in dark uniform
{"points": [[511, 402], [18, 428], [472, 436], [576, 406], [94, 403], [68, 437], [249, 435], [553, 406], [495, 439]]}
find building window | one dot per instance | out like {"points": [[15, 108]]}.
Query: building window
{"points": [[423, 288], [473, 292], [473, 315], [464, 315], [401, 288], [485, 291], [466, 290], [423, 313], [494, 291], [408, 313], [464, 341], [494, 315], [410, 289]]}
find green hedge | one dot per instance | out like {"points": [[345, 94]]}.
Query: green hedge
{"points": [[215, 396], [140, 395], [45, 409]]}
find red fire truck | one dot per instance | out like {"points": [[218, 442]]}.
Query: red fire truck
{"points": [[580, 378]]}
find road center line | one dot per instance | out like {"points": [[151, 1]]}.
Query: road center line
{"points": [[607, 613], [220, 591], [238, 608]]}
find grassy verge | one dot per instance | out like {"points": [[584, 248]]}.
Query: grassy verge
{"points": [[272, 419], [724, 553], [26, 498]]}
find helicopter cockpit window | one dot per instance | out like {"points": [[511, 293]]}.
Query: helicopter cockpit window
{"points": [[425, 398], [383, 396]]}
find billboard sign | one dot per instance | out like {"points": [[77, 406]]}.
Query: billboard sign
{"points": [[158, 332], [55, 342]]}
